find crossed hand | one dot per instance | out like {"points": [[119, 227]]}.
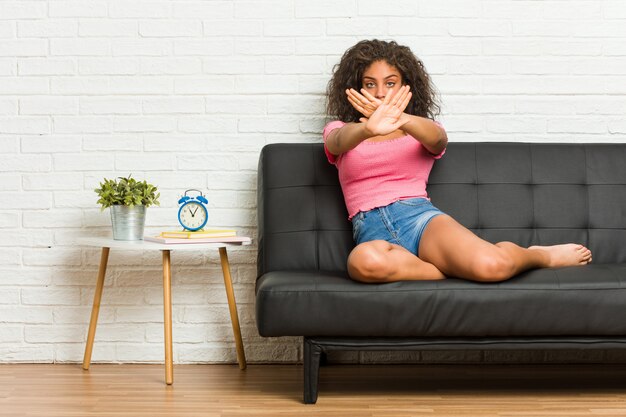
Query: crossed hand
{"points": [[381, 116]]}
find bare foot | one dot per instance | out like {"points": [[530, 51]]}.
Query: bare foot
{"points": [[569, 254]]}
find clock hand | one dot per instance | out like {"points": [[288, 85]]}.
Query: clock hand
{"points": [[194, 213]]}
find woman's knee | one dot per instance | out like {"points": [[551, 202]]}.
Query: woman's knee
{"points": [[493, 266], [369, 262]]}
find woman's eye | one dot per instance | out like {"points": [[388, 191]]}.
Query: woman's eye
{"points": [[390, 84], [369, 85]]}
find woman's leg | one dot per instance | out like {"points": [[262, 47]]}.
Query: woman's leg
{"points": [[381, 261], [458, 252]]}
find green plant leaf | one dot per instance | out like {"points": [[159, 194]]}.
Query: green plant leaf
{"points": [[126, 191]]}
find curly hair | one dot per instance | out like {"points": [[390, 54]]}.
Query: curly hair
{"points": [[348, 73]]}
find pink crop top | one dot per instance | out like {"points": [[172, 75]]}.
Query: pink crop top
{"points": [[375, 174]]}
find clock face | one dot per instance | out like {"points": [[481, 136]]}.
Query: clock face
{"points": [[192, 215]]}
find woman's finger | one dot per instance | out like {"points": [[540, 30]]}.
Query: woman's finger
{"points": [[387, 98], [397, 96], [400, 95], [354, 98], [407, 91], [369, 96], [354, 103], [364, 103], [406, 101], [361, 97], [350, 94], [358, 107]]}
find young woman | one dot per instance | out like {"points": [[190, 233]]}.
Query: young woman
{"points": [[384, 143]]}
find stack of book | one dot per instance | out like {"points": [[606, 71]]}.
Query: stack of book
{"points": [[200, 236]]}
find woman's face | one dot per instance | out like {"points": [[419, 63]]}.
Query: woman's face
{"points": [[380, 78]]}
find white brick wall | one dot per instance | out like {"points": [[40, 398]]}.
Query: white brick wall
{"points": [[186, 93]]}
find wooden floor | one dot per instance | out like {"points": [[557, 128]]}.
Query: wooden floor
{"points": [[345, 390]]}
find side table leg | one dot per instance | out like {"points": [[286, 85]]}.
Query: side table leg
{"points": [[232, 305], [104, 258], [167, 308]]}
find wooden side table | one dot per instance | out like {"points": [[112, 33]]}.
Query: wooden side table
{"points": [[107, 243]]}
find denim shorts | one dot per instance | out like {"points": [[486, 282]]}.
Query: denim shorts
{"points": [[402, 222]]}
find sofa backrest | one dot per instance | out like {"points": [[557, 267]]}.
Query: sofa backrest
{"points": [[527, 193], [302, 218]]}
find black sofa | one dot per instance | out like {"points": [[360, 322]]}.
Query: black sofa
{"points": [[521, 192]]}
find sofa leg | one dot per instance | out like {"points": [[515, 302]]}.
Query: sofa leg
{"points": [[323, 359], [312, 355]]}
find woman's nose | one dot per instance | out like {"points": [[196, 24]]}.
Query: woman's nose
{"points": [[381, 92]]}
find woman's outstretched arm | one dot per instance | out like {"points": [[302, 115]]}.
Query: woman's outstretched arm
{"points": [[386, 119], [347, 137], [432, 136]]}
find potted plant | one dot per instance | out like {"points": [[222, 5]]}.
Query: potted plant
{"points": [[128, 199]]}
